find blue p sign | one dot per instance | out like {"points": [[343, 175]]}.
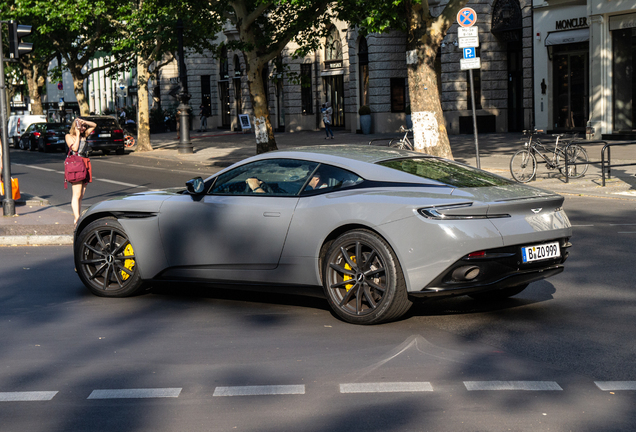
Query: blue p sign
{"points": [[469, 53]]}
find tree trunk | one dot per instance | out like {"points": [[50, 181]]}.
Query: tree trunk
{"points": [[35, 88], [429, 127], [265, 140], [143, 128], [78, 88]]}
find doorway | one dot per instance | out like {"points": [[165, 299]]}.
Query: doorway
{"points": [[515, 87], [226, 114], [570, 76], [334, 89]]}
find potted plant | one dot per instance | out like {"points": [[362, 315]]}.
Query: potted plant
{"points": [[409, 122], [365, 119]]}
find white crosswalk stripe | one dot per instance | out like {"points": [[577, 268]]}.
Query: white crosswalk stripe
{"points": [[135, 393], [512, 385], [388, 387], [259, 390]]}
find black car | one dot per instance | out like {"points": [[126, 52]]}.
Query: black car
{"points": [[44, 137], [108, 135]]}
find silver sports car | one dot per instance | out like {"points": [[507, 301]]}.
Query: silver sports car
{"points": [[375, 228]]}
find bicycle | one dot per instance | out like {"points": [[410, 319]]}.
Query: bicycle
{"points": [[402, 143], [523, 164]]}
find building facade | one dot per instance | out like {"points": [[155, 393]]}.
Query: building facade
{"points": [[351, 71], [585, 63]]}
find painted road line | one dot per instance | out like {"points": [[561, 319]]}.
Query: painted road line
{"points": [[388, 387], [615, 385], [582, 225], [29, 396], [259, 390], [512, 385], [135, 393], [39, 168], [120, 183]]}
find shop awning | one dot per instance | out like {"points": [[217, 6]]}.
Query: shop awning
{"points": [[568, 37]]}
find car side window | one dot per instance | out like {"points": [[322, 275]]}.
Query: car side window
{"points": [[29, 129], [279, 177], [328, 178]]}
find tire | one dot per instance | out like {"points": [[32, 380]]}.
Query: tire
{"points": [[105, 260], [523, 166], [399, 144], [105, 152], [501, 294], [377, 292], [23, 144], [576, 154]]}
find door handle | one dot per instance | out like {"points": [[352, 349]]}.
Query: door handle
{"points": [[271, 214]]}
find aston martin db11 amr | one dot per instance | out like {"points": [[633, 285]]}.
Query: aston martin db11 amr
{"points": [[373, 228]]}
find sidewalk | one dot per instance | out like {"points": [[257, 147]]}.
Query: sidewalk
{"points": [[39, 223]]}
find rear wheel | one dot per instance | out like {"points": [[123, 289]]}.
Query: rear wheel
{"points": [[106, 152], [23, 144], [105, 260], [363, 280], [499, 294], [576, 154], [523, 166]]}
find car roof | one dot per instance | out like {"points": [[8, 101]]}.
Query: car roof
{"points": [[361, 159]]}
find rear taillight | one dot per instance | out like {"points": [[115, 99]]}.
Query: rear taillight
{"points": [[118, 131], [92, 133], [477, 254], [36, 134], [51, 133]]}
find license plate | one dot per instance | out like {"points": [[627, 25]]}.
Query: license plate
{"points": [[104, 135], [540, 252], [60, 141]]}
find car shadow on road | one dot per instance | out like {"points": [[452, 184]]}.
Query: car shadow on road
{"points": [[535, 293]]}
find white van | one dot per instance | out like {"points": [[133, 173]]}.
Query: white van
{"points": [[18, 124]]}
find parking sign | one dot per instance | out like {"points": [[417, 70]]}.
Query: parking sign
{"points": [[469, 53]]}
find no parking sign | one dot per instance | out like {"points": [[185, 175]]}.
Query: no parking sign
{"points": [[466, 17]]}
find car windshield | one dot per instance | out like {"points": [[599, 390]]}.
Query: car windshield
{"points": [[447, 172]]}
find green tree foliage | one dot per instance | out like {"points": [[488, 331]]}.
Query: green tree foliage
{"points": [[31, 68], [152, 40], [263, 29]]}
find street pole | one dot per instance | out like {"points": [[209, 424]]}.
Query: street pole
{"points": [[8, 204], [185, 145], [472, 98]]}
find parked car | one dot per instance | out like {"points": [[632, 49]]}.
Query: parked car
{"points": [[18, 124], [44, 137], [379, 229], [108, 135]]}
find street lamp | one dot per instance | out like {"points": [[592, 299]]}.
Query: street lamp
{"points": [[185, 145]]}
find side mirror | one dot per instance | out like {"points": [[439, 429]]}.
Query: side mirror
{"points": [[195, 186]]}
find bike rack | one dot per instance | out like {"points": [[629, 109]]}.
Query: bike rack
{"points": [[581, 143], [609, 165]]}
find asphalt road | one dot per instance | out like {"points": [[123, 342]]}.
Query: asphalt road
{"points": [[188, 358]]}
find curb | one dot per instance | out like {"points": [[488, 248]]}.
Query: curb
{"points": [[36, 240]]}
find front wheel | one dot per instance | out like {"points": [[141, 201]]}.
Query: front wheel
{"points": [[577, 155], [105, 260], [23, 144], [523, 166], [363, 280]]}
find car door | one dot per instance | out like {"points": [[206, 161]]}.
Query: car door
{"points": [[230, 227]]}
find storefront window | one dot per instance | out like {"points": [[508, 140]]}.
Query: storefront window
{"points": [[624, 79], [570, 73]]}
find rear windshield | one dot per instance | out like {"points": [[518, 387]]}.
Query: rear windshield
{"points": [[447, 172], [105, 123]]}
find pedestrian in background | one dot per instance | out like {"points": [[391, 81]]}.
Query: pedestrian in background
{"points": [[203, 115], [327, 111], [178, 117], [76, 142]]}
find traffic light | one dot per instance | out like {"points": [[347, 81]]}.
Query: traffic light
{"points": [[17, 32]]}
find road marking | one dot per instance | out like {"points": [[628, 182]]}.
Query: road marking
{"points": [[119, 183], [156, 168], [615, 385], [582, 225], [512, 385], [630, 224], [27, 396], [259, 390], [388, 387], [135, 393]]}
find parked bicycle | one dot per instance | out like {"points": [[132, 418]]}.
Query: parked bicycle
{"points": [[404, 142], [523, 164]]}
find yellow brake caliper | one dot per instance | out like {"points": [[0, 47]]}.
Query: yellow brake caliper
{"points": [[347, 277], [129, 263]]}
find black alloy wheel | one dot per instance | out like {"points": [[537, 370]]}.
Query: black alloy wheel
{"points": [[363, 280], [105, 260]]}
